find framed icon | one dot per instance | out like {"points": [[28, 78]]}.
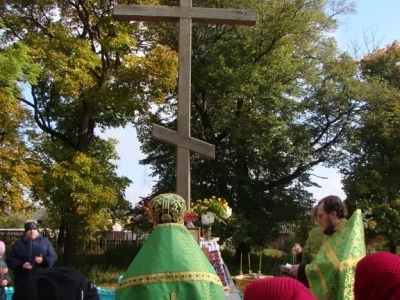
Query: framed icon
{"points": [[195, 232]]}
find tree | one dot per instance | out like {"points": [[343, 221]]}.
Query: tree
{"points": [[371, 174], [95, 73], [20, 167], [276, 100]]}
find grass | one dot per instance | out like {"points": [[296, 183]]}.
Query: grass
{"points": [[104, 270]]}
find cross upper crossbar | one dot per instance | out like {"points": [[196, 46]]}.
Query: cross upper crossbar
{"points": [[174, 13]]}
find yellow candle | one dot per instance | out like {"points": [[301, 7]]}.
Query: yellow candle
{"points": [[259, 269], [241, 258], [249, 261]]}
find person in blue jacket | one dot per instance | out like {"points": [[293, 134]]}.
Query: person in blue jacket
{"points": [[30, 255]]}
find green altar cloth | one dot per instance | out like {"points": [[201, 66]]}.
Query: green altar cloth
{"points": [[331, 274], [170, 266]]}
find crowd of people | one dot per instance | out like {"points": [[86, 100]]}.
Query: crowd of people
{"points": [[171, 265]]}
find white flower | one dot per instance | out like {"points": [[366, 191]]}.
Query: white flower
{"points": [[207, 219], [227, 213], [367, 217]]}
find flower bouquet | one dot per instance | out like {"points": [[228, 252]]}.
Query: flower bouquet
{"points": [[140, 222], [205, 211]]}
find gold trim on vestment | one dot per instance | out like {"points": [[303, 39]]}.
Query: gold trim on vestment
{"points": [[331, 255], [323, 282], [350, 263], [169, 277]]}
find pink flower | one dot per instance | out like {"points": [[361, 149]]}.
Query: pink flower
{"points": [[137, 218], [190, 216]]}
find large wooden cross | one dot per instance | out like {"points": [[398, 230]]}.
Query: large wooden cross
{"points": [[186, 14]]}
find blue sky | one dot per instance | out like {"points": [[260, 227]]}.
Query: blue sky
{"points": [[375, 23]]}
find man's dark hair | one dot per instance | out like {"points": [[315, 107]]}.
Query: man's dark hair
{"points": [[334, 203]]}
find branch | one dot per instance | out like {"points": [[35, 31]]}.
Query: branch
{"points": [[39, 118], [298, 172]]}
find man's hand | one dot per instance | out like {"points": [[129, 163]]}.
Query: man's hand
{"points": [[294, 270], [38, 259], [3, 271], [27, 266], [296, 249], [4, 282]]}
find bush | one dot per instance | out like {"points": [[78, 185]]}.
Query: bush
{"points": [[104, 269], [271, 260], [120, 256], [104, 276]]}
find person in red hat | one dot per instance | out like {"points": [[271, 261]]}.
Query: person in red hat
{"points": [[278, 288], [378, 277]]}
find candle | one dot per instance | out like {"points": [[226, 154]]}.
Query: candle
{"points": [[259, 269], [249, 261], [241, 258]]}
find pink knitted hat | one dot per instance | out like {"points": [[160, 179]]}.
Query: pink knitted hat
{"points": [[378, 277], [2, 248], [278, 288]]}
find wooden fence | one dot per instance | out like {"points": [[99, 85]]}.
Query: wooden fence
{"points": [[99, 245]]}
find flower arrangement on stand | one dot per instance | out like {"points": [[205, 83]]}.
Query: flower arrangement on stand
{"points": [[140, 222], [205, 211]]}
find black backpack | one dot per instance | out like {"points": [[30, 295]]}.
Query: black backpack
{"points": [[57, 284]]}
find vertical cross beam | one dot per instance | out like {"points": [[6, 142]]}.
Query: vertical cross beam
{"points": [[185, 14], [183, 174]]}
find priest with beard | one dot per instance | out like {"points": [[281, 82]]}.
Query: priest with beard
{"points": [[331, 274]]}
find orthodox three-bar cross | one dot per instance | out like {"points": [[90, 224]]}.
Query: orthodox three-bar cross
{"points": [[185, 14]]}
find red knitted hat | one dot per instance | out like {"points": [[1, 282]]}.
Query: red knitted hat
{"points": [[378, 277], [278, 288]]}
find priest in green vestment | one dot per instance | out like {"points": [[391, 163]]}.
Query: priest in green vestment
{"points": [[331, 274], [171, 264], [313, 243]]}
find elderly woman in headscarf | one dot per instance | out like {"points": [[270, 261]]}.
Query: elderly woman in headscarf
{"points": [[378, 277], [278, 288]]}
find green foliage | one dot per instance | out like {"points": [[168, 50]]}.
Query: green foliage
{"points": [[272, 252], [101, 276], [302, 230], [371, 174], [85, 194], [140, 219], [89, 72], [12, 222], [121, 256], [275, 99], [271, 260], [20, 166]]}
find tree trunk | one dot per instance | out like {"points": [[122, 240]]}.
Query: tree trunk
{"points": [[61, 236], [69, 249], [86, 127], [393, 247], [86, 132], [242, 250]]}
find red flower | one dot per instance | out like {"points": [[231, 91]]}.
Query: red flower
{"points": [[190, 216]]}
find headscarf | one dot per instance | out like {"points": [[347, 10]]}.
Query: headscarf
{"points": [[277, 288], [378, 277]]}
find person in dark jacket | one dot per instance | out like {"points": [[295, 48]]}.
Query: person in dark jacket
{"points": [[57, 284], [30, 255], [4, 276]]}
